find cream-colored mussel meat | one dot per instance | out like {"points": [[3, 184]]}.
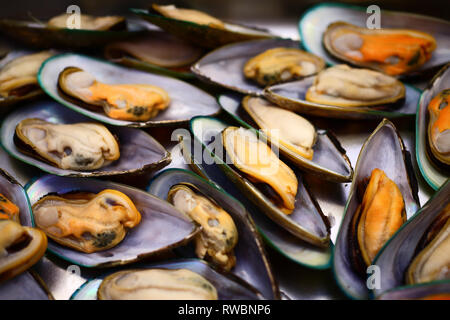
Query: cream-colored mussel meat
{"points": [[282, 126], [79, 146], [171, 11], [86, 22], [261, 165], [156, 284], [344, 86], [432, 263], [219, 234], [18, 76]]}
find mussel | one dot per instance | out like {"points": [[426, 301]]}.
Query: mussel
{"points": [[219, 234], [383, 196], [139, 152], [344, 86], [85, 221], [79, 146], [432, 263], [18, 76], [156, 284], [392, 51], [190, 15], [176, 279], [281, 65], [88, 22], [20, 248], [134, 102], [439, 127], [95, 223]]}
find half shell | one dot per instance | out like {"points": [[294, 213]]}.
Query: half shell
{"points": [[225, 66], [434, 172], [41, 35], [405, 244], [139, 151], [228, 287], [207, 36], [428, 291], [392, 51], [26, 286], [186, 100], [292, 96], [384, 150], [254, 110], [306, 221], [315, 21], [252, 264], [162, 227], [158, 52]]}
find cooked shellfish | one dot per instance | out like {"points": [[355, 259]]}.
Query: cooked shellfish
{"points": [[134, 102], [219, 235], [292, 131], [439, 126], [20, 248], [18, 76], [171, 11], [156, 284], [256, 159], [344, 86], [392, 51], [432, 263], [79, 146], [282, 64], [8, 210], [88, 22], [85, 221], [379, 216]]}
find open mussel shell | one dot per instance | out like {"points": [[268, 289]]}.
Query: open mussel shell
{"points": [[288, 245], [15, 193], [7, 102], [139, 152], [291, 95], [251, 261], [225, 66], [306, 222], [433, 172], [228, 286], [157, 52], [39, 35], [438, 290], [162, 227], [397, 254], [203, 35], [26, 286], [329, 162], [187, 101], [384, 149], [315, 21]]}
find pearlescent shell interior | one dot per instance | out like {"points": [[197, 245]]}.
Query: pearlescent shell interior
{"points": [[162, 227], [396, 256], [291, 95], [139, 152], [384, 150], [305, 222], [225, 66], [251, 262], [434, 176], [417, 291], [228, 288], [329, 160], [23, 287], [187, 101], [314, 22], [14, 192]]}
